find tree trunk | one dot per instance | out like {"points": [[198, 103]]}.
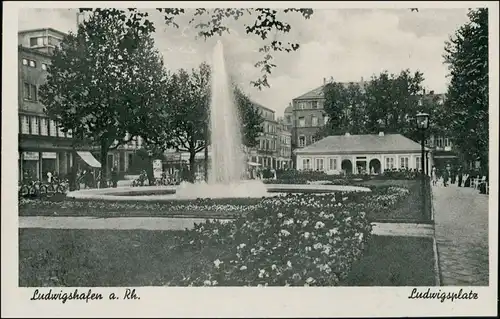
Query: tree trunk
{"points": [[150, 171], [192, 155], [206, 161], [104, 164]]}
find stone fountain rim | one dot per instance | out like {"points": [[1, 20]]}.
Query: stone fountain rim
{"points": [[107, 193]]}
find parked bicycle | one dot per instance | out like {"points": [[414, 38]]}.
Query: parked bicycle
{"points": [[58, 186]]}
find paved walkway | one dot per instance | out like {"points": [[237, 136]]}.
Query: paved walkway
{"points": [[461, 223], [162, 223]]}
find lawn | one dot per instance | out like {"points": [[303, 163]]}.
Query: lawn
{"points": [[395, 261], [52, 257], [408, 210]]}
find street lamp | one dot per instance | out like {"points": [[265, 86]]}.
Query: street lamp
{"points": [[423, 125]]}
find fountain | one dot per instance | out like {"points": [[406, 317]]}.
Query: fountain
{"points": [[227, 172], [228, 167]]}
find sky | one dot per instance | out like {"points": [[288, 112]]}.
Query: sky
{"points": [[346, 44]]}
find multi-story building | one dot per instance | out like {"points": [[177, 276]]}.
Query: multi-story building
{"points": [[266, 152], [306, 115], [284, 159], [43, 146]]}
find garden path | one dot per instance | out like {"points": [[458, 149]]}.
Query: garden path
{"points": [[163, 223], [461, 223]]}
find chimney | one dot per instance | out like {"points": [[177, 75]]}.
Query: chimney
{"points": [[362, 80], [331, 79], [324, 81], [347, 134], [424, 91], [380, 133]]}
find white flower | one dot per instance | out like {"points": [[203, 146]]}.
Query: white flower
{"points": [[280, 215], [289, 264], [261, 273], [214, 282], [273, 267], [216, 231], [304, 223], [207, 283], [243, 268], [319, 225], [284, 232], [241, 246], [317, 246], [308, 248], [217, 263], [310, 280], [344, 198], [306, 235]]}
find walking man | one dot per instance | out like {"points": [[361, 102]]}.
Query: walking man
{"points": [[460, 176]]}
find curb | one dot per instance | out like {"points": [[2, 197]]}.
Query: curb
{"points": [[437, 269]]}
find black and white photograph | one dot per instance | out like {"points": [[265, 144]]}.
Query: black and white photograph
{"points": [[240, 144]]}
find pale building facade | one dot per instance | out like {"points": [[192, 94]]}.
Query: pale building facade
{"points": [[358, 154]]}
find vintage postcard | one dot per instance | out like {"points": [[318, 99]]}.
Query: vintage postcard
{"points": [[249, 159]]}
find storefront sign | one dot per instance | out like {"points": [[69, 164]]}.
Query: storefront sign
{"points": [[157, 168], [31, 156], [49, 155]]}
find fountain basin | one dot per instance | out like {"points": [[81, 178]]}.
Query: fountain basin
{"points": [[168, 193]]}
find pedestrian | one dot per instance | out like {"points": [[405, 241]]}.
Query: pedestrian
{"points": [[446, 176], [114, 177], [434, 175], [49, 177], [460, 176]]}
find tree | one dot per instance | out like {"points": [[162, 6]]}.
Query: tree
{"points": [[215, 22], [466, 105], [105, 82], [386, 103]]}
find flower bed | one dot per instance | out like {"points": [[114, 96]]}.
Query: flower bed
{"points": [[293, 240], [301, 243]]}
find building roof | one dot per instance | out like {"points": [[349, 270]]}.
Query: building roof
{"points": [[366, 143], [289, 109], [33, 51], [263, 107], [43, 29], [317, 93]]}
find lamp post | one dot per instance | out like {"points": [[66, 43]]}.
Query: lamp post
{"points": [[150, 166], [423, 125]]}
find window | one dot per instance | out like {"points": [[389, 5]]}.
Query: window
{"points": [[60, 132], [267, 145], [35, 125], [306, 163], [314, 121], [36, 41], [302, 141], [288, 119], [319, 164], [333, 164], [44, 66], [69, 134], [53, 128], [439, 142], [25, 61], [302, 121], [26, 91], [447, 142], [34, 93], [325, 119], [25, 125], [389, 162], [417, 163], [404, 162], [32, 63], [313, 139], [44, 127], [314, 104]]}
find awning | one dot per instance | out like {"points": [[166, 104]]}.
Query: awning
{"points": [[253, 164], [89, 159]]}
